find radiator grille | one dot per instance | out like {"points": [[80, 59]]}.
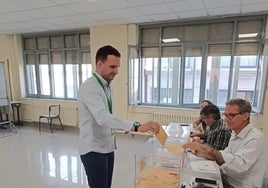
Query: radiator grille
{"points": [[166, 118]]}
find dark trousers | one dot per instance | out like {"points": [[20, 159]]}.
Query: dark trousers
{"points": [[99, 169]]}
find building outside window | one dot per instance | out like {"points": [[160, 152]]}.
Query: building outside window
{"points": [[180, 64], [56, 64]]}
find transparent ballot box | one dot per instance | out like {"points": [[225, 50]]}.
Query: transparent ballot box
{"points": [[157, 166], [179, 130]]}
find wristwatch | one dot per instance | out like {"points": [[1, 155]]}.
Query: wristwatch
{"points": [[136, 125]]}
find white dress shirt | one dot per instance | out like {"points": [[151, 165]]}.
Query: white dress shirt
{"points": [[95, 120], [245, 159]]}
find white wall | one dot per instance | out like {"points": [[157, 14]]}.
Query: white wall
{"points": [[119, 36]]}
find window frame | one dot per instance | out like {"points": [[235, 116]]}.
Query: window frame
{"points": [[257, 105], [79, 46]]}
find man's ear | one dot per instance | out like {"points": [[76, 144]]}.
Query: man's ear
{"points": [[99, 63], [246, 116]]}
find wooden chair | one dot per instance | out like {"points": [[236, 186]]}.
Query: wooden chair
{"points": [[53, 113]]}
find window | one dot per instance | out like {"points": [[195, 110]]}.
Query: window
{"points": [[134, 77], [56, 64], [180, 64]]}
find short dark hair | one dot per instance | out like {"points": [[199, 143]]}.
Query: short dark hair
{"points": [[207, 101], [211, 110], [104, 51], [243, 105]]}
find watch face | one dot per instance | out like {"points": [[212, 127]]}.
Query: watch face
{"points": [[136, 124]]}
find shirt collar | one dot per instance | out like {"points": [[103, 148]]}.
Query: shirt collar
{"points": [[104, 82], [243, 132]]}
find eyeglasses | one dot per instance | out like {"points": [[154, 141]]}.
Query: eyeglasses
{"points": [[230, 116]]}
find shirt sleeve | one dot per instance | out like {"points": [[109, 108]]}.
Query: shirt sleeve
{"points": [[221, 140], [96, 104], [242, 160]]}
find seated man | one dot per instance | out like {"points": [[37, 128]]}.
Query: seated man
{"points": [[200, 128], [218, 135], [243, 162]]}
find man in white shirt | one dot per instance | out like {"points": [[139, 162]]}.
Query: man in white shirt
{"points": [[96, 119], [243, 162]]}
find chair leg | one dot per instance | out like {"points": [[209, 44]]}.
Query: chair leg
{"points": [[39, 124], [51, 126], [61, 123]]}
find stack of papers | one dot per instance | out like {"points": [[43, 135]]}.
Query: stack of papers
{"points": [[203, 166], [160, 178]]}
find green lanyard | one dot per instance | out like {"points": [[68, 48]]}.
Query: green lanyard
{"points": [[109, 100]]}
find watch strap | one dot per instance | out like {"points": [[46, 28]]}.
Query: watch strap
{"points": [[136, 126]]}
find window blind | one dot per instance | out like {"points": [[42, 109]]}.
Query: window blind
{"points": [[220, 50], [56, 57], [220, 32], [246, 27], [246, 49], [56, 42], [84, 40], [70, 41], [173, 32], [71, 57], [30, 59], [43, 59], [86, 57], [29, 44], [149, 52], [42, 43], [150, 36], [171, 51]]}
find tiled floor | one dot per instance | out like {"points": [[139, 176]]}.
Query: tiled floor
{"points": [[29, 159]]}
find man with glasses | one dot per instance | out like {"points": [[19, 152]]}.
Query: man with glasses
{"points": [[243, 162], [218, 135]]}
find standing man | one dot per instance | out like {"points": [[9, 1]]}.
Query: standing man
{"points": [[96, 118], [244, 161]]}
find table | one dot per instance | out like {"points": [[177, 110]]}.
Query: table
{"points": [[193, 166], [16, 104], [152, 154], [200, 168]]}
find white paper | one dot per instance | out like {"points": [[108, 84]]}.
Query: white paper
{"points": [[203, 166]]}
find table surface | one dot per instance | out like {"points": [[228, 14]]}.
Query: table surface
{"points": [[178, 133], [200, 168], [194, 166]]}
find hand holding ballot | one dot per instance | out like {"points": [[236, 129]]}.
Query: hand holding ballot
{"points": [[162, 136], [149, 126]]}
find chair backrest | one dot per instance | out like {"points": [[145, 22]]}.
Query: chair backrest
{"points": [[54, 110]]}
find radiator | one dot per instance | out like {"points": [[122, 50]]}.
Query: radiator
{"points": [[166, 118]]}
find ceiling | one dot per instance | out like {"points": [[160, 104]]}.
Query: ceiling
{"points": [[27, 16]]}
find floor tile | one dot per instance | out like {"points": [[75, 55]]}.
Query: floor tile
{"points": [[31, 159]]}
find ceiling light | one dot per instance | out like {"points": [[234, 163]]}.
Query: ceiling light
{"points": [[247, 35], [171, 40]]}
